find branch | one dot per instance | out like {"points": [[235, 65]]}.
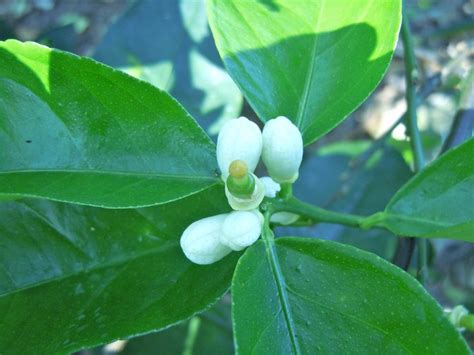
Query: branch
{"points": [[316, 214], [412, 124]]}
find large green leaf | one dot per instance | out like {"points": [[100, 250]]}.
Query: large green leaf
{"points": [[171, 47], [74, 130], [312, 296], [74, 276], [361, 189], [313, 61], [209, 333], [437, 202]]}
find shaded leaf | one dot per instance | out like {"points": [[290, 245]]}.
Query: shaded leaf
{"points": [[168, 43], [74, 277], [210, 333], [312, 61], [438, 201]]}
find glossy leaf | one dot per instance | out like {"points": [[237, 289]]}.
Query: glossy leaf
{"points": [[209, 333], [78, 131], [361, 189], [437, 202], [323, 297], [74, 276], [171, 47], [312, 61]]}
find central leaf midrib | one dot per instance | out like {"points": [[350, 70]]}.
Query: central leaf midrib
{"points": [[272, 259], [110, 173], [309, 75]]}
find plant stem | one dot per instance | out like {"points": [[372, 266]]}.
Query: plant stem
{"points": [[410, 74], [430, 85], [467, 322], [414, 133], [317, 214]]}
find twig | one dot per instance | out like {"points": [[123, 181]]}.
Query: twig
{"points": [[414, 133], [463, 123], [429, 86]]}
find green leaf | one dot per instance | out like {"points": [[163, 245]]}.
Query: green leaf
{"points": [[437, 202], [209, 333], [172, 48], [314, 296], [312, 61], [74, 276], [78, 131], [362, 189]]}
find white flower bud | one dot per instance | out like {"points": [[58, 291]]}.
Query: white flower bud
{"points": [[241, 229], [271, 187], [247, 204], [284, 218], [200, 241], [455, 315], [239, 139], [282, 149]]}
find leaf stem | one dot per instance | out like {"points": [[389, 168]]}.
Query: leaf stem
{"points": [[317, 214], [415, 139], [467, 322]]}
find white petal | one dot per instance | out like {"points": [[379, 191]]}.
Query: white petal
{"points": [[284, 218], [271, 187], [282, 149], [241, 229], [200, 241], [238, 139]]}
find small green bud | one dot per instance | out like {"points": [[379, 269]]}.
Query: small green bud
{"points": [[240, 182]]}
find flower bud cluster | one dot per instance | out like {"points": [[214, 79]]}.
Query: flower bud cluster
{"points": [[210, 239], [240, 145]]}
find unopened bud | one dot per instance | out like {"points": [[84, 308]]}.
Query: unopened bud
{"points": [[282, 149], [284, 218], [241, 229], [239, 139], [200, 241]]}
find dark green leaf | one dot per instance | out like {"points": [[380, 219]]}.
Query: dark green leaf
{"points": [[333, 299], [172, 48], [312, 61], [78, 131], [437, 202], [74, 276], [329, 179], [209, 333]]}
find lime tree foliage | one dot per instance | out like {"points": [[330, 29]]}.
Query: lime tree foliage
{"points": [[118, 217]]}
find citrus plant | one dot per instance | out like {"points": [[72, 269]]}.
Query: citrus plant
{"points": [[119, 216]]}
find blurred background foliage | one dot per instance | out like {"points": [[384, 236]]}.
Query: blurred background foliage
{"points": [[356, 168]]}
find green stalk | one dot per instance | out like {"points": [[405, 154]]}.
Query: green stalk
{"points": [[467, 322], [413, 131], [317, 214]]}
